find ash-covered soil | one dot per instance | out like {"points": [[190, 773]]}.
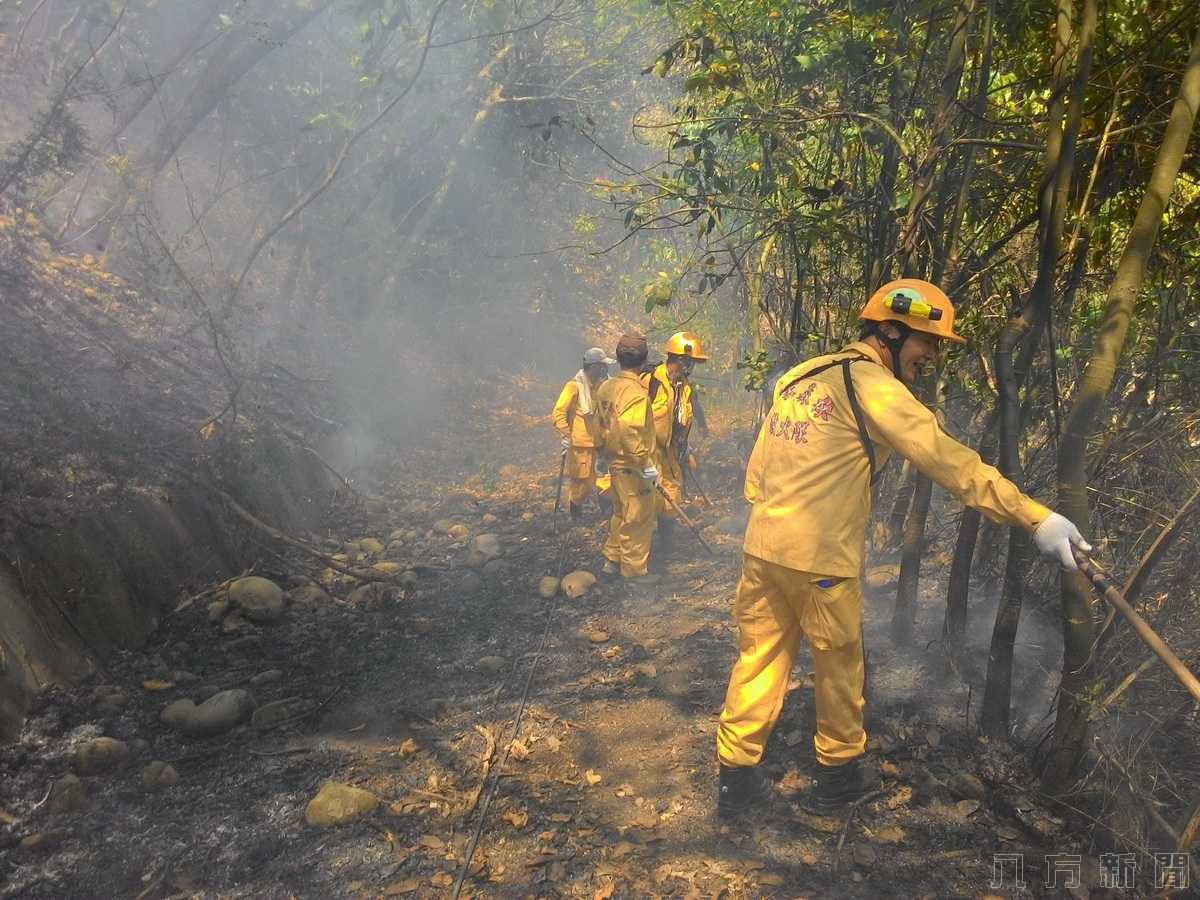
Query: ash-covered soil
{"points": [[408, 691]]}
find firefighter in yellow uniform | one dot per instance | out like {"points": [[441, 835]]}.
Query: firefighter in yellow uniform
{"points": [[574, 417], [833, 423], [627, 431], [673, 404]]}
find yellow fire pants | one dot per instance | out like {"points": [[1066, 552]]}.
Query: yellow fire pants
{"points": [[774, 606], [581, 473], [671, 477], [633, 520]]}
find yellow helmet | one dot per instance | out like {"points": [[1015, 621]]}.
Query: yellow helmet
{"points": [[918, 304], [684, 343]]}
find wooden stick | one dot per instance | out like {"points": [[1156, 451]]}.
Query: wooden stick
{"points": [[352, 571], [1187, 834], [1113, 597]]}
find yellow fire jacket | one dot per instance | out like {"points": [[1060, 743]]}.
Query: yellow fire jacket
{"points": [[624, 420], [669, 405], [568, 421], [809, 473]]}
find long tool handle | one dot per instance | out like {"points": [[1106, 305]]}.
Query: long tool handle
{"points": [[683, 517], [562, 468], [1148, 635]]}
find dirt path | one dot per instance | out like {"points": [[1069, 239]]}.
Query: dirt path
{"points": [[606, 791]]}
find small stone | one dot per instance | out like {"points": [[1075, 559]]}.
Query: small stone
{"points": [[67, 795], [217, 610], [310, 593], [271, 715], [488, 519], [578, 583], [371, 546], [598, 637], [271, 676], [43, 841], [339, 804], [548, 587], [475, 559], [159, 774], [175, 714], [488, 544], [387, 568], [99, 755], [182, 676], [967, 786], [459, 532], [259, 599], [442, 526], [219, 713], [493, 664], [398, 536], [233, 623], [249, 642], [361, 595], [409, 579], [864, 855]]}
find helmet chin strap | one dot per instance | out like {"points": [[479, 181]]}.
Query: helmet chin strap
{"points": [[894, 344]]}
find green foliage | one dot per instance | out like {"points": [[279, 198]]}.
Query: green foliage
{"points": [[756, 366]]}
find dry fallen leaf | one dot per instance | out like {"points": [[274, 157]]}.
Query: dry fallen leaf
{"points": [[518, 750], [156, 684], [559, 817], [442, 879], [603, 893], [432, 842], [407, 886], [899, 797], [518, 818], [891, 770], [409, 747], [553, 744], [208, 432], [592, 777], [771, 878]]}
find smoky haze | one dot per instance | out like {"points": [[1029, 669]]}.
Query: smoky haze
{"points": [[312, 198]]}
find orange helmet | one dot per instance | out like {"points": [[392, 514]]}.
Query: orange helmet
{"points": [[918, 304], [684, 343]]}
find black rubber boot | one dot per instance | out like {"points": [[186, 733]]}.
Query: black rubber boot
{"points": [[836, 787], [740, 789]]}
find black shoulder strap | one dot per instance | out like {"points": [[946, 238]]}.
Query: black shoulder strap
{"points": [[868, 446], [653, 386]]}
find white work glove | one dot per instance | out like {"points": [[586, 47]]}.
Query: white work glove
{"points": [[650, 474], [566, 443], [1056, 537]]}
